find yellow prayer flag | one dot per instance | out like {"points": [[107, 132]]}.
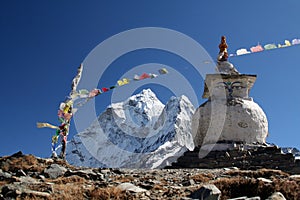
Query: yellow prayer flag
{"points": [[125, 81], [46, 125], [287, 43]]}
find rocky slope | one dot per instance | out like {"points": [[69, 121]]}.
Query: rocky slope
{"points": [[140, 132], [28, 177]]}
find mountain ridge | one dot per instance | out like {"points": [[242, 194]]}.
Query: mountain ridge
{"points": [[128, 132]]}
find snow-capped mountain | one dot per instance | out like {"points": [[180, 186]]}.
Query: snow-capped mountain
{"points": [[139, 132]]}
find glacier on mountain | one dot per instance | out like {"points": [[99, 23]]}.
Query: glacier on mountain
{"points": [[140, 132]]}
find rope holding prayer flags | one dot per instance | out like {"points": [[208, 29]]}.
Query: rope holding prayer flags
{"points": [[124, 81], [259, 48]]}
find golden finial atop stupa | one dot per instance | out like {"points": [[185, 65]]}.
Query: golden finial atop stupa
{"points": [[223, 49]]}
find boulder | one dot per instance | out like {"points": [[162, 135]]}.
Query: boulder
{"points": [[207, 192], [130, 187], [55, 171], [276, 196]]}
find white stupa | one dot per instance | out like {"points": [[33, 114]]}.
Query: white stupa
{"points": [[229, 114]]}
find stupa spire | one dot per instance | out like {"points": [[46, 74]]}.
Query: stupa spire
{"points": [[223, 49], [223, 66]]}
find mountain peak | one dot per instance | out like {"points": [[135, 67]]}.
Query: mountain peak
{"points": [[145, 95], [139, 132]]}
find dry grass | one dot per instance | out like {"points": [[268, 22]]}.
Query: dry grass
{"points": [[243, 186], [70, 179], [26, 163], [289, 188], [107, 193], [70, 191], [77, 188], [123, 179], [265, 173], [202, 178], [239, 186]]}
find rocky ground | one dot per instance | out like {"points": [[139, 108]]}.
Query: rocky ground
{"points": [[29, 177]]}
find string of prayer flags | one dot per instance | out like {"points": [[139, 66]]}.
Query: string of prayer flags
{"points": [[82, 96], [260, 48]]}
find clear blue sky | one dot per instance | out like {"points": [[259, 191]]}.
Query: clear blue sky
{"points": [[43, 42]]}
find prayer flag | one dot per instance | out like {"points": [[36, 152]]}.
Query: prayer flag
{"points": [[136, 78], [153, 75], [144, 76], [46, 125], [256, 48], [242, 52], [124, 81], [270, 46], [105, 89], [295, 41], [94, 93], [163, 71]]}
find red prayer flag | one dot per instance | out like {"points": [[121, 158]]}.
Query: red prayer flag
{"points": [[144, 75], [105, 89]]}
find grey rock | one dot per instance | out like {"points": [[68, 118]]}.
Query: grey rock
{"points": [[130, 187], [27, 179], [207, 192], [105, 171], [230, 168], [55, 171], [295, 176], [264, 180], [276, 196], [4, 175], [85, 173]]}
